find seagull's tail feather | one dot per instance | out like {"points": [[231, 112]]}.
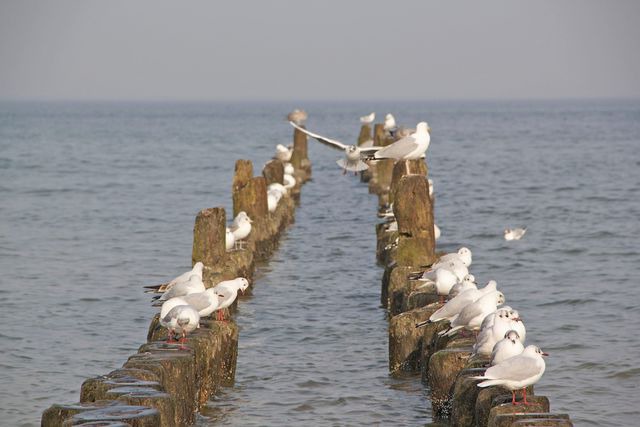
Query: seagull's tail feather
{"points": [[426, 322], [488, 382], [357, 167], [154, 289], [449, 332], [414, 276]]}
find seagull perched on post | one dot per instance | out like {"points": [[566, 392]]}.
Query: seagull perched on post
{"points": [[368, 119]]}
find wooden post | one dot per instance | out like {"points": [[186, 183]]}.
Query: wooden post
{"points": [[243, 174], [414, 214], [365, 134], [209, 234], [273, 172], [252, 198], [300, 156], [404, 168]]}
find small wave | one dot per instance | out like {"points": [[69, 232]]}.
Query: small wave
{"points": [[571, 302], [626, 374]]}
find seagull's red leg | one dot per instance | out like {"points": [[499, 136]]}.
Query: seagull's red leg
{"points": [[513, 397], [524, 393], [183, 340], [170, 339]]}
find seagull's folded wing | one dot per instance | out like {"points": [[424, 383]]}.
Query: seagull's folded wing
{"points": [[517, 368], [398, 149], [199, 301]]}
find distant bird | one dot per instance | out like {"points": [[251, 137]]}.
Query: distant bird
{"points": [[472, 315], [229, 239], [353, 154], [277, 187], [229, 288], [194, 285], [283, 153], [514, 233], [184, 277], [297, 116], [368, 119], [273, 198], [241, 227], [517, 372], [181, 319], [390, 124], [289, 169], [408, 148], [436, 231], [508, 347]]}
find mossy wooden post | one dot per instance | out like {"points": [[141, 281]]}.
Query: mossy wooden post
{"points": [[414, 214], [273, 172], [242, 175], [365, 134], [209, 233], [370, 175], [300, 155], [252, 199]]}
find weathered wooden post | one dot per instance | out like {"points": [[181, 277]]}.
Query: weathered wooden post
{"points": [[404, 168], [300, 156], [414, 214], [365, 134], [273, 172]]}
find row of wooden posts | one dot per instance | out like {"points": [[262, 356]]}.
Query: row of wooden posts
{"points": [[446, 363], [161, 385]]}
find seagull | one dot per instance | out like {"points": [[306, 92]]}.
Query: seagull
{"points": [[229, 239], [436, 231], [205, 302], [241, 226], [229, 288], [444, 281], [518, 326], [507, 347], [368, 119], [194, 285], [514, 233], [181, 319], [278, 187], [390, 123], [472, 315], [273, 198], [455, 305], [353, 154], [468, 282], [516, 372], [505, 320], [297, 116], [463, 254], [283, 153], [408, 148], [184, 277], [289, 169], [455, 265], [289, 181]]}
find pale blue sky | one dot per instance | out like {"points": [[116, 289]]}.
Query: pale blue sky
{"points": [[337, 50]]}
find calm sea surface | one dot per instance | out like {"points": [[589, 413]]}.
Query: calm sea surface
{"points": [[99, 199]]}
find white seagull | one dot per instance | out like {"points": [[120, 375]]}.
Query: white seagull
{"points": [[472, 315], [507, 347], [390, 123], [229, 288], [283, 153], [408, 148], [193, 286], [297, 116], [241, 226], [514, 233], [184, 277], [181, 319], [368, 119], [229, 239], [517, 372]]}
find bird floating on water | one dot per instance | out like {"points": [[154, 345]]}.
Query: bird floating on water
{"points": [[514, 233]]}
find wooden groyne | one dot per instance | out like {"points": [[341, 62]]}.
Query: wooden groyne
{"points": [[445, 363], [161, 384]]}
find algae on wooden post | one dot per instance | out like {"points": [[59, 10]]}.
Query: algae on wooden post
{"points": [[242, 175], [209, 234]]}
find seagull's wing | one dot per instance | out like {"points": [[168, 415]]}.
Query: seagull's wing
{"points": [[366, 150], [198, 301], [398, 149], [326, 141], [515, 368]]}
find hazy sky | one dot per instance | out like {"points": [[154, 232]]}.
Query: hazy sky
{"points": [[300, 50]]}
